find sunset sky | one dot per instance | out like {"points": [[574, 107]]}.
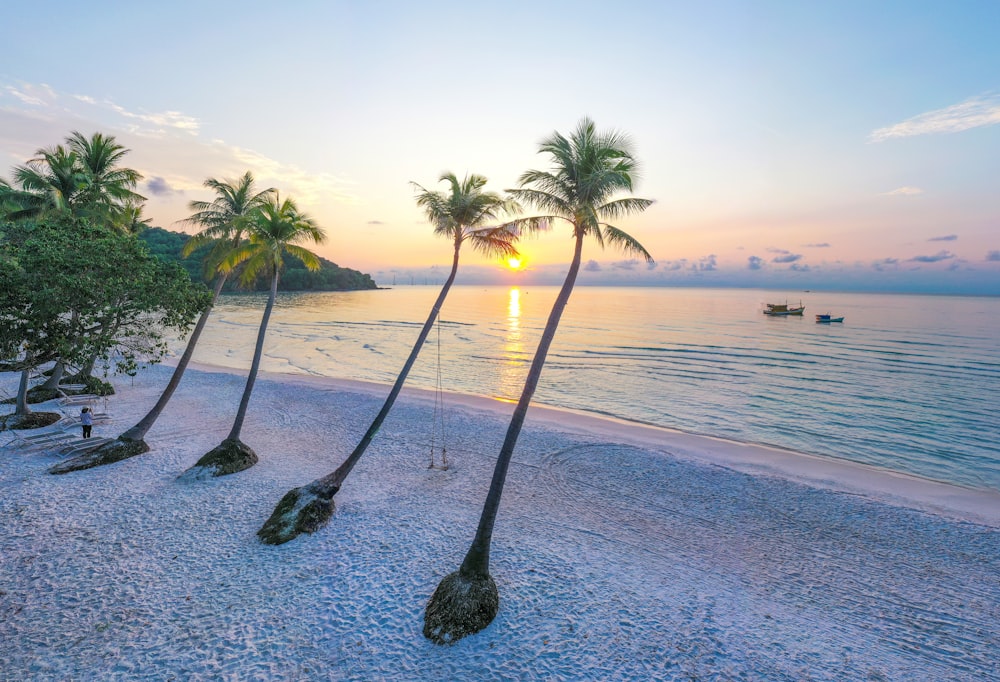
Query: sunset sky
{"points": [[787, 144]]}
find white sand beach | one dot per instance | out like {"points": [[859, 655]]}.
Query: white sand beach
{"points": [[621, 552]]}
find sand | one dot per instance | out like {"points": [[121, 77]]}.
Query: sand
{"points": [[622, 552]]}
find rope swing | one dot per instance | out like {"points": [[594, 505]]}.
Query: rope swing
{"points": [[437, 420]]}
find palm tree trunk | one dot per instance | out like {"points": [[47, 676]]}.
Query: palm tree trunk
{"points": [[477, 559], [21, 403], [335, 479], [138, 432], [255, 365], [52, 383]]}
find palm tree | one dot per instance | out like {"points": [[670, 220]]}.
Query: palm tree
{"points": [[589, 169], [460, 216], [52, 182], [223, 221], [274, 228], [109, 188]]}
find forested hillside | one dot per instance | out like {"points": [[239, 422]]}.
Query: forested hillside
{"points": [[330, 277]]}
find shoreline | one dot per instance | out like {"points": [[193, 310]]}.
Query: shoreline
{"points": [[620, 551], [954, 501]]}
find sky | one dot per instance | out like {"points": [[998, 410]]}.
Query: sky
{"points": [[787, 145]]}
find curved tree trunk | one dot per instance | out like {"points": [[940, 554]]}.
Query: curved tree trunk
{"points": [[21, 403], [258, 351], [336, 479], [467, 600], [477, 560], [308, 508], [52, 383], [138, 432]]}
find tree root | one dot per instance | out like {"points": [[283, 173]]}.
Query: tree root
{"points": [[301, 510], [461, 605], [229, 457], [109, 453]]}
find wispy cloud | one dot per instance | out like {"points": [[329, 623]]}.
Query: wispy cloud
{"points": [[904, 192], [975, 112], [886, 264], [936, 258], [755, 263], [625, 265], [823, 245], [40, 95], [945, 238], [375, 222], [993, 256], [673, 265], [784, 256]]}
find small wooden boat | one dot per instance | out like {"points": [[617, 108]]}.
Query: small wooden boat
{"points": [[783, 309], [823, 319]]}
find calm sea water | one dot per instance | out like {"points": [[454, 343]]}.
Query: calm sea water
{"points": [[908, 383]]}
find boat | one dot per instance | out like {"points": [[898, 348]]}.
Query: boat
{"points": [[783, 309], [827, 317]]}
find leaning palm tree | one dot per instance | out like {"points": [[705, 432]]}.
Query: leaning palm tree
{"points": [[459, 215], [589, 169], [273, 228], [223, 221]]}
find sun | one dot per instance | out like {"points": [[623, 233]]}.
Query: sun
{"points": [[514, 263]]}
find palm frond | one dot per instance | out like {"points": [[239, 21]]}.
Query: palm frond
{"points": [[626, 243]]}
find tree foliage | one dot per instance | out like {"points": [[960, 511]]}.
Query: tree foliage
{"points": [[75, 290], [168, 246]]}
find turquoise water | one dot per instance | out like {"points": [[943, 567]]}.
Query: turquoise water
{"points": [[907, 383]]}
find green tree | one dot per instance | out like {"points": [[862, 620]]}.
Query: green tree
{"points": [[459, 215], [74, 290], [84, 178], [588, 170], [223, 221], [108, 193], [48, 184], [274, 228]]}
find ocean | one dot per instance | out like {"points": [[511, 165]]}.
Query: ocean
{"points": [[909, 383]]}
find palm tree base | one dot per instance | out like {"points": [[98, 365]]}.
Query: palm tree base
{"points": [[461, 605], [301, 510], [109, 453], [229, 457]]}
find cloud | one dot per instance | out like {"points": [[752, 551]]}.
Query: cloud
{"points": [[993, 256], [674, 265], [786, 257], [774, 250], [755, 263], [799, 267], [33, 95], [937, 257], [886, 264], [592, 266], [375, 222], [159, 187], [904, 192], [975, 112], [824, 245], [706, 264], [945, 238], [625, 265]]}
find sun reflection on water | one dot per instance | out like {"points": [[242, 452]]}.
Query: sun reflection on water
{"points": [[512, 364]]}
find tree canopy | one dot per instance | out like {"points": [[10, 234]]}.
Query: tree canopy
{"points": [[168, 245], [75, 290]]}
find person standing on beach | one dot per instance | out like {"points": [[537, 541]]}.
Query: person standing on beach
{"points": [[87, 421]]}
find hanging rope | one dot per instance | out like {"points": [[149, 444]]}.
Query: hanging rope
{"points": [[437, 420]]}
